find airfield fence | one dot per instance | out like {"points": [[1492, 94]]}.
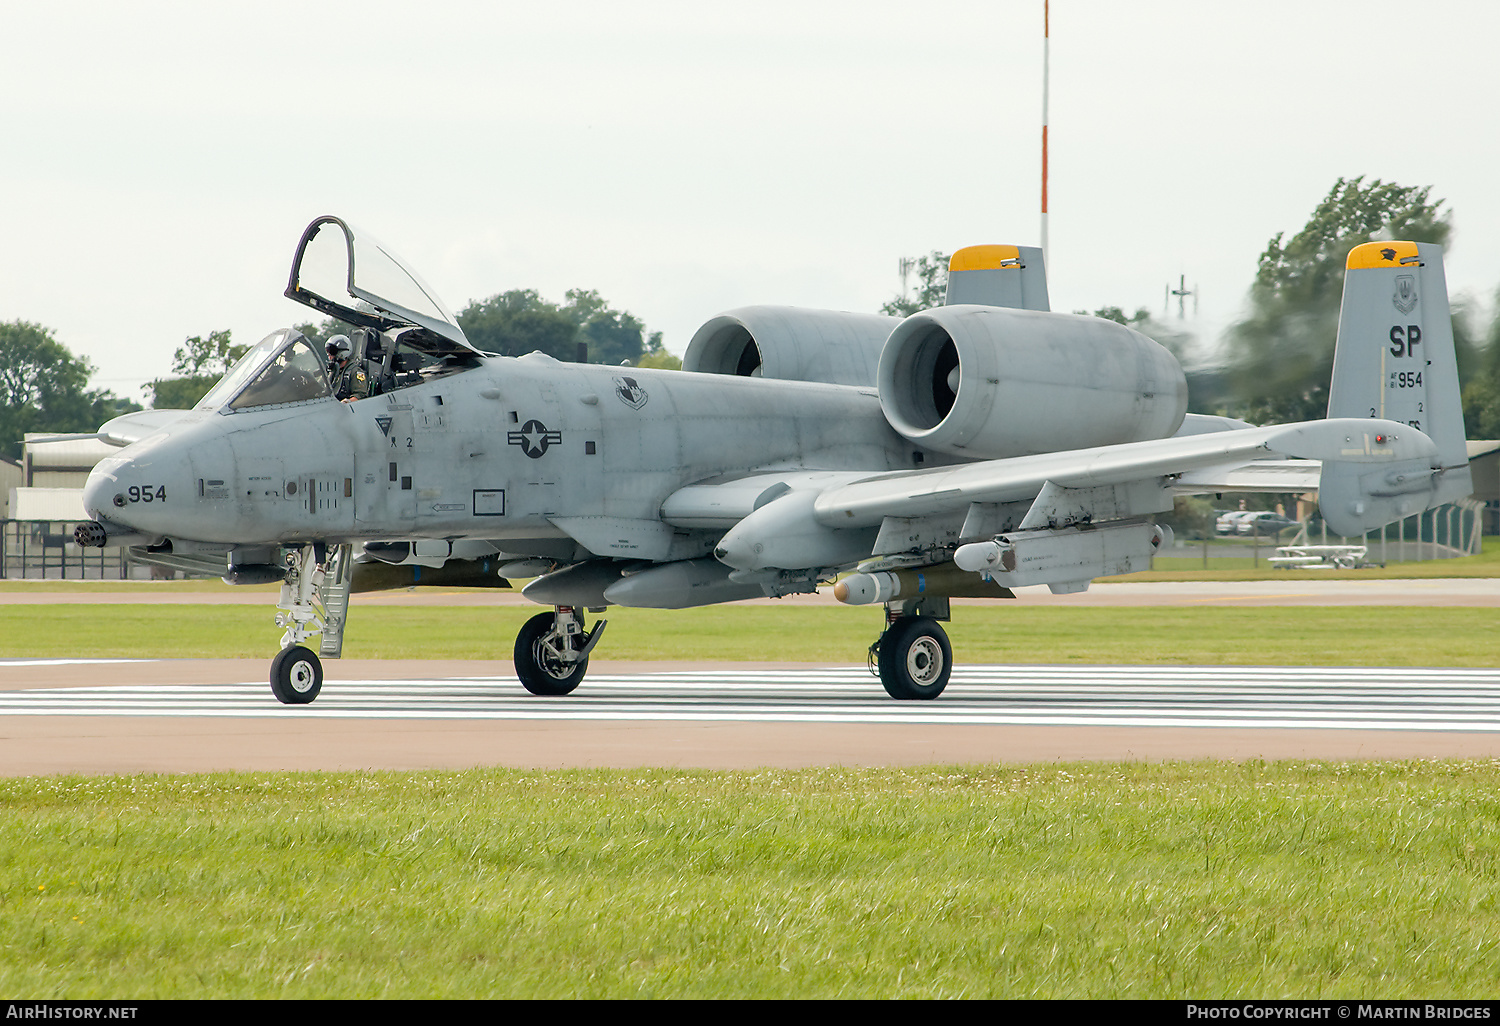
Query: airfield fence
{"points": [[1443, 532], [45, 550]]}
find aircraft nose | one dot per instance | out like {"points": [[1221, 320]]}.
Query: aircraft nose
{"points": [[142, 487], [98, 491], [112, 520]]}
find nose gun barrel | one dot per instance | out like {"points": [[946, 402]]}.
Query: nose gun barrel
{"points": [[96, 534]]}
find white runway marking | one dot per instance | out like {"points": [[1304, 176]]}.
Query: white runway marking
{"points": [[65, 662], [1132, 696]]}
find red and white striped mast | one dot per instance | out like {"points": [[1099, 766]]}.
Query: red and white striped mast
{"points": [[1046, 46]]}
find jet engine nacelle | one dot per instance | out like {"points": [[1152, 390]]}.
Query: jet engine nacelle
{"points": [[791, 344], [991, 382]]}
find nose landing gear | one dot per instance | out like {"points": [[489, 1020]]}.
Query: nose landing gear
{"points": [[314, 601]]}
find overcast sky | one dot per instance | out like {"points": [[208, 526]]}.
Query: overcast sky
{"points": [[159, 160]]}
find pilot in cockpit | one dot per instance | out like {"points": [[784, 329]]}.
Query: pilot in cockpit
{"points": [[348, 375]]}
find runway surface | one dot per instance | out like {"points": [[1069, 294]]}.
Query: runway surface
{"points": [[184, 715], [741, 717], [1119, 696]]}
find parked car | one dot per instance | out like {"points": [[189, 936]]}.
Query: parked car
{"points": [[1264, 522], [1227, 522]]}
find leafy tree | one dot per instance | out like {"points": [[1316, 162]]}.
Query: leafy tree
{"points": [[43, 387], [1192, 516], [613, 336], [199, 356], [656, 355], [1282, 353], [932, 287], [200, 363], [520, 321], [1481, 390]]}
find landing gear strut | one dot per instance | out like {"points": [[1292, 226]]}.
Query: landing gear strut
{"points": [[913, 656], [552, 651], [314, 601]]}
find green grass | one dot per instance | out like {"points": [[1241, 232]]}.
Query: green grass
{"points": [[995, 633], [1166, 881]]}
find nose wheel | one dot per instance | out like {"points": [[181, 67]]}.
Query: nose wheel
{"points": [[296, 675]]}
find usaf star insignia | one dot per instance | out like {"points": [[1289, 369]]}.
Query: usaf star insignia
{"points": [[534, 438]]}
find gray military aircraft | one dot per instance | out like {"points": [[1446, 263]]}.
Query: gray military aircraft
{"points": [[962, 451]]}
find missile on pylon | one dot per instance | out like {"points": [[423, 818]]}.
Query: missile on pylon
{"points": [[942, 581], [1065, 555]]}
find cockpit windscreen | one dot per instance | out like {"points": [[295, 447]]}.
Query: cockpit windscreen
{"points": [[283, 367], [294, 375]]}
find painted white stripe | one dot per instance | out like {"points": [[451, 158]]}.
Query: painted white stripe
{"points": [[1141, 696], [67, 662]]}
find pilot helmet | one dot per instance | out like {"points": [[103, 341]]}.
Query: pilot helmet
{"points": [[339, 348]]}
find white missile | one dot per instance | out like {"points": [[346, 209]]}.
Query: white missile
{"points": [[979, 557], [1068, 554]]}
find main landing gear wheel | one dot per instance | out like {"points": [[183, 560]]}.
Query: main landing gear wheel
{"points": [[915, 658], [296, 675], [538, 661]]}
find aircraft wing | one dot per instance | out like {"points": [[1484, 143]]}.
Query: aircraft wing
{"points": [[1204, 462], [1266, 475], [132, 427]]}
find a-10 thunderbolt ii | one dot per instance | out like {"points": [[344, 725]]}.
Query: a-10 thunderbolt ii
{"points": [[962, 451]]}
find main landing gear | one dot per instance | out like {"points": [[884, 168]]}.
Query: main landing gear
{"points": [[314, 601], [913, 657], [552, 651]]}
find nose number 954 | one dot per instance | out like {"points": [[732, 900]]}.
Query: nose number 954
{"points": [[146, 493]]}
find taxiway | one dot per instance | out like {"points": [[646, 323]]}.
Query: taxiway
{"points": [[182, 715]]}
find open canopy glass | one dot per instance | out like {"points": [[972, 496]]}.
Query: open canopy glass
{"points": [[348, 274]]}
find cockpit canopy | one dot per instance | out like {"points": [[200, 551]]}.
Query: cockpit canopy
{"points": [[351, 276], [282, 368], [405, 334]]}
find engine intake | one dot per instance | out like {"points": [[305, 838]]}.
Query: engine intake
{"points": [[990, 382], [791, 344]]}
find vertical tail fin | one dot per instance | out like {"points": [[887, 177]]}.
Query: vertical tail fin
{"points": [[1394, 361], [1012, 276]]}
